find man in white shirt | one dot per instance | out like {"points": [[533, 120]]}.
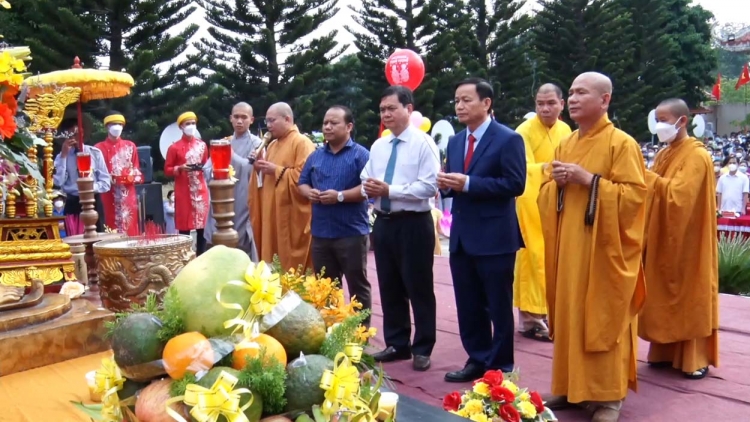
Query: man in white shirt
{"points": [[402, 175], [732, 189]]}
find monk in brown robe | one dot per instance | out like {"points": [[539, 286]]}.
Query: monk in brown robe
{"points": [[593, 210], [279, 214], [681, 315]]}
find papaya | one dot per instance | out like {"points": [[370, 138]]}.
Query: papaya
{"points": [[255, 410], [137, 348]]}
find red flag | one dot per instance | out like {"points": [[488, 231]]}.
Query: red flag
{"points": [[744, 77], [716, 92]]}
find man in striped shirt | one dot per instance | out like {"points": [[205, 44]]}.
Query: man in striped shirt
{"points": [[340, 223]]}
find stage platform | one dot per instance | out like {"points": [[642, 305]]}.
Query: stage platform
{"points": [[663, 396]]}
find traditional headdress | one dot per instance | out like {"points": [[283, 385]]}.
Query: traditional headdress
{"points": [[188, 115], [114, 118]]}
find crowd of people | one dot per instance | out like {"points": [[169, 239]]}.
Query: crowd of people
{"points": [[570, 227]]}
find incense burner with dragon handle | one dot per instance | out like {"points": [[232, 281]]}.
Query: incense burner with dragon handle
{"points": [[133, 267]]}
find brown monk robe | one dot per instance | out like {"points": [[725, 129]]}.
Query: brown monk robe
{"points": [[279, 214], [681, 315], [593, 214]]}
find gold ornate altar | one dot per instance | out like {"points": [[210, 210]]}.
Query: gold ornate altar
{"points": [[30, 243]]}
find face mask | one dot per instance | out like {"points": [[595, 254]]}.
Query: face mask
{"points": [[189, 130], [733, 167], [739, 155], [115, 130], [716, 169], [651, 154], [743, 169], [666, 132], [58, 204]]}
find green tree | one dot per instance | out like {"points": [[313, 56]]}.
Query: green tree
{"points": [[730, 63], [263, 52]]}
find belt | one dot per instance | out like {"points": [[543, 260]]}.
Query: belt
{"points": [[399, 214]]}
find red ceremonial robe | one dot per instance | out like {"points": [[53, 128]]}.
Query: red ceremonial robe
{"points": [[121, 202], [190, 190]]}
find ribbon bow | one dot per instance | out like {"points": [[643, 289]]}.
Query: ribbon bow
{"points": [[108, 381], [210, 403], [342, 388], [265, 288]]}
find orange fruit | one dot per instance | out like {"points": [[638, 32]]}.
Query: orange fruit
{"points": [[251, 349], [188, 352]]}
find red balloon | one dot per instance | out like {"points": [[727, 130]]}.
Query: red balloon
{"points": [[406, 68]]}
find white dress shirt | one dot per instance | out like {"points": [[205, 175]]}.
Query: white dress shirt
{"points": [[415, 175], [732, 187]]}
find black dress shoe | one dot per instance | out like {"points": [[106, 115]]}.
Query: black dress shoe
{"points": [[390, 354], [421, 363], [471, 372]]}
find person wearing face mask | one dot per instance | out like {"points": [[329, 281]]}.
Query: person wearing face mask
{"points": [[743, 167], [121, 156], [169, 213], [58, 210], [732, 188], [185, 161], [680, 316]]}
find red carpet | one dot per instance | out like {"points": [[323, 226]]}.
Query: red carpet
{"points": [[664, 395]]}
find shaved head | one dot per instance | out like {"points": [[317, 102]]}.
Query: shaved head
{"points": [[550, 88], [279, 119], [281, 109], [241, 118], [243, 106], [588, 99], [676, 107], [674, 112], [597, 81]]}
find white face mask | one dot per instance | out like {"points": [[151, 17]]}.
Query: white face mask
{"points": [[115, 130], [716, 169], [651, 154], [733, 167], [666, 132], [58, 204], [189, 130], [743, 169]]}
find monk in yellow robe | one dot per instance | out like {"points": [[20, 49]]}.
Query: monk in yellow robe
{"points": [[593, 211], [681, 315], [279, 214], [541, 136]]}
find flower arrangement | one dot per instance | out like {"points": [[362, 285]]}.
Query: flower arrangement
{"points": [[494, 398]]}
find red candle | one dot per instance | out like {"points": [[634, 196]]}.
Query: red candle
{"points": [[84, 164], [221, 156]]}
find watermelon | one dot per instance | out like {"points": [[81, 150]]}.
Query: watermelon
{"points": [[137, 348], [255, 410], [199, 281], [302, 330], [303, 382]]}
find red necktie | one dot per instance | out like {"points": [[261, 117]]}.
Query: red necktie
{"points": [[469, 152]]}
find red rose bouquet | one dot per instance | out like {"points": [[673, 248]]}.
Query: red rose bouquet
{"points": [[494, 398]]}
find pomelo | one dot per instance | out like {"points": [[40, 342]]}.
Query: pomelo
{"points": [[302, 330], [303, 382], [255, 410], [199, 281], [137, 348]]}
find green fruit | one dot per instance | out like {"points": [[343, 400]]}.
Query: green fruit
{"points": [[199, 281], [303, 382], [302, 330], [137, 348], [255, 410], [129, 388], [303, 418]]}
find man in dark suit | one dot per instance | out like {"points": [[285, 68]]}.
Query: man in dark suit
{"points": [[485, 172]]}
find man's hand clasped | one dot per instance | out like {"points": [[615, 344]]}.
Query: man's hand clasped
{"points": [[265, 167], [564, 173], [454, 181], [375, 188]]}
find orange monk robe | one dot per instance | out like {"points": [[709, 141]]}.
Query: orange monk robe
{"points": [[279, 214], [529, 285], [681, 315], [595, 284]]}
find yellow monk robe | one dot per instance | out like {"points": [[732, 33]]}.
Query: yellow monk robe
{"points": [[681, 315], [529, 284], [595, 284], [279, 214]]}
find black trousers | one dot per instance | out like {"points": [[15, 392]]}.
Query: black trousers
{"points": [[404, 247], [73, 207], [345, 257], [200, 242], [483, 286]]}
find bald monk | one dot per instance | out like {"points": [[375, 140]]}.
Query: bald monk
{"points": [[593, 211], [541, 136], [279, 214], [681, 315]]}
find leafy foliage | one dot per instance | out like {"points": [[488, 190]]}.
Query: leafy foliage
{"points": [[342, 334], [734, 264], [167, 312], [177, 387], [265, 377]]}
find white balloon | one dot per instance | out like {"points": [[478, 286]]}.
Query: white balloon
{"points": [[652, 121], [529, 115], [445, 130], [171, 134], [416, 118], [699, 126]]}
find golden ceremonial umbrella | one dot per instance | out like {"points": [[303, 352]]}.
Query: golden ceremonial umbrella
{"points": [[95, 84]]}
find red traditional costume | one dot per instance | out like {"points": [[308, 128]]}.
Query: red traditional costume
{"points": [[121, 202], [190, 190]]}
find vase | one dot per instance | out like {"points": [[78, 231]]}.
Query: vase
{"points": [[131, 268]]}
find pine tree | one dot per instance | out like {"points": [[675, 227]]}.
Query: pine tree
{"points": [[263, 52], [57, 31], [386, 28]]}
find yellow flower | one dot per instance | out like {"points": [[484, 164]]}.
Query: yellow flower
{"points": [[524, 396], [363, 334], [510, 386], [474, 406], [482, 389], [479, 417], [10, 68], [462, 413], [527, 409]]}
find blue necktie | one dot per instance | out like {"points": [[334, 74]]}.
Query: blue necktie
{"points": [[385, 202]]}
